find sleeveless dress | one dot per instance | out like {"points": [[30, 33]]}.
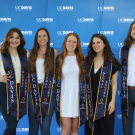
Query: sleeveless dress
{"points": [[70, 88]]}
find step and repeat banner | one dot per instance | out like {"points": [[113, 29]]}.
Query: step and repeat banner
{"points": [[84, 17]]}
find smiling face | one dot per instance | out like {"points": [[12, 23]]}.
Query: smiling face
{"points": [[98, 45], [14, 40], [42, 38], [133, 32], [71, 44]]}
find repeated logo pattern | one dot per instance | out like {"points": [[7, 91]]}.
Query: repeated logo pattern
{"points": [[60, 18]]}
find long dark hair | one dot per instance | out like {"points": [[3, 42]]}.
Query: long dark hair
{"points": [[107, 52], [129, 40], [6, 43], [48, 62]]}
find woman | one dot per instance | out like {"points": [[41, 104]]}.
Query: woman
{"points": [[13, 79], [70, 86], [101, 67], [41, 69]]}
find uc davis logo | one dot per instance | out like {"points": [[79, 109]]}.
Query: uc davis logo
{"points": [[120, 44], [26, 32], [3, 19], [84, 44], [119, 116], [85, 20], [51, 44], [22, 129], [106, 32], [65, 8], [118, 92], [1, 117], [63, 32], [23, 8], [105, 8], [42, 20], [58, 129], [125, 20]]}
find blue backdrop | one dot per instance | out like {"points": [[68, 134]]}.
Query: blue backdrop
{"points": [[84, 17]]}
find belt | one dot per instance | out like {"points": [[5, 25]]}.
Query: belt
{"points": [[131, 88]]}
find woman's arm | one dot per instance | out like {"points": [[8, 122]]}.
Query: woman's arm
{"points": [[3, 76], [111, 106], [120, 56], [56, 52]]}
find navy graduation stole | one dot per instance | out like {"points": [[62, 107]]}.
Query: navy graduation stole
{"points": [[124, 73], [89, 92], [82, 100], [17, 103], [57, 95], [41, 103], [102, 95]]}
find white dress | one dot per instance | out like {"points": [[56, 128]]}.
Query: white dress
{"points": [[70, 88]]}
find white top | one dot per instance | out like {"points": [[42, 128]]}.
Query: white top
{"points": [[131, 66], [70, 88], [95, 70], [40, 69], [16, 62]]}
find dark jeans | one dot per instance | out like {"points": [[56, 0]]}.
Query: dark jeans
{"points": [[11, 122], [127, 120], [34, 124]]}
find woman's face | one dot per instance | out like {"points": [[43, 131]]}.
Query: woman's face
{"points": [[133, 32], [98, 45], [14, 40], [42, 38], [71, 43]]}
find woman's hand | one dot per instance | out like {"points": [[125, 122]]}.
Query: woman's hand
{"points": [[4, 78], [111, 107]]}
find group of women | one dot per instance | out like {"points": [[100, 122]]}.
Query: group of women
{"points": [[80, 89]]}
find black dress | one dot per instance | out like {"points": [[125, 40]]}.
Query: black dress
{"points": [[104, 125]]}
